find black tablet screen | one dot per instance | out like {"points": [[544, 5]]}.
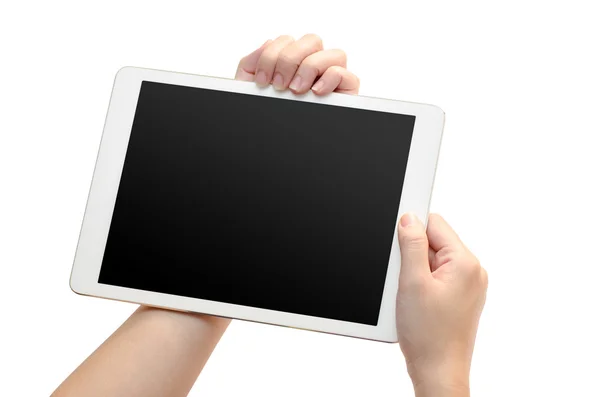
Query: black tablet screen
{"points": [[256, 201]]}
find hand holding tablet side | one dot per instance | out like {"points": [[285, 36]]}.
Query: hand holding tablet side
{"points": [[442, 291]]}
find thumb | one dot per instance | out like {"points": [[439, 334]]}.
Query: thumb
{"points": [[414, 248], [247, 65]]}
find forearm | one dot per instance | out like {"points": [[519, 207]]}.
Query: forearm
{"points": [[154, 353]]}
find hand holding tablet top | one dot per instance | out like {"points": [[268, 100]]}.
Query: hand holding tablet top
{"points": [[217, 196]]}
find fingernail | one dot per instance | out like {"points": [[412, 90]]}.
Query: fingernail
{"points": [[318, 85], [408, 219], [278, 81], [296, 83], [261, 78]]}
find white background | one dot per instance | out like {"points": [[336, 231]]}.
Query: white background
{"points": [[517, 177]]}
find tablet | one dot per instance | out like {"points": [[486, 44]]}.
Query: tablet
{"points": [[216, 196]]}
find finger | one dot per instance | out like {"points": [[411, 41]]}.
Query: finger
{"points": [[338, 79], [314, 66], [247, 65], [268, 59], [414, 247], [432, 264], [292, 56], [441, 235]]}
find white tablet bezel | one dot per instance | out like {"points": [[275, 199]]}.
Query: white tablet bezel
{"points": [[418, 184]]}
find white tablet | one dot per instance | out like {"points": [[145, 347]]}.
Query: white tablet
{"points": [[216, 196]]}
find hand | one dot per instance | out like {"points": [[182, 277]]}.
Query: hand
{"points": [[441, 293], [300, 65]]}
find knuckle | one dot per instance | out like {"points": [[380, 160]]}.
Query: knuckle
{"points": [[342, 56], [337, 70], [310, 66], [413, 241], [445, 255], [314, 39], [471, 265], [268, 58], [484, 278], [285, 38], [286, 59]]}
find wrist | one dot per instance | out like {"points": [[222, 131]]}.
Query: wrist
{"points": [[184, 319], [449, 378], [440, 389]]}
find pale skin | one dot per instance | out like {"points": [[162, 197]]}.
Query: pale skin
{"points": [[441, 293]]}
